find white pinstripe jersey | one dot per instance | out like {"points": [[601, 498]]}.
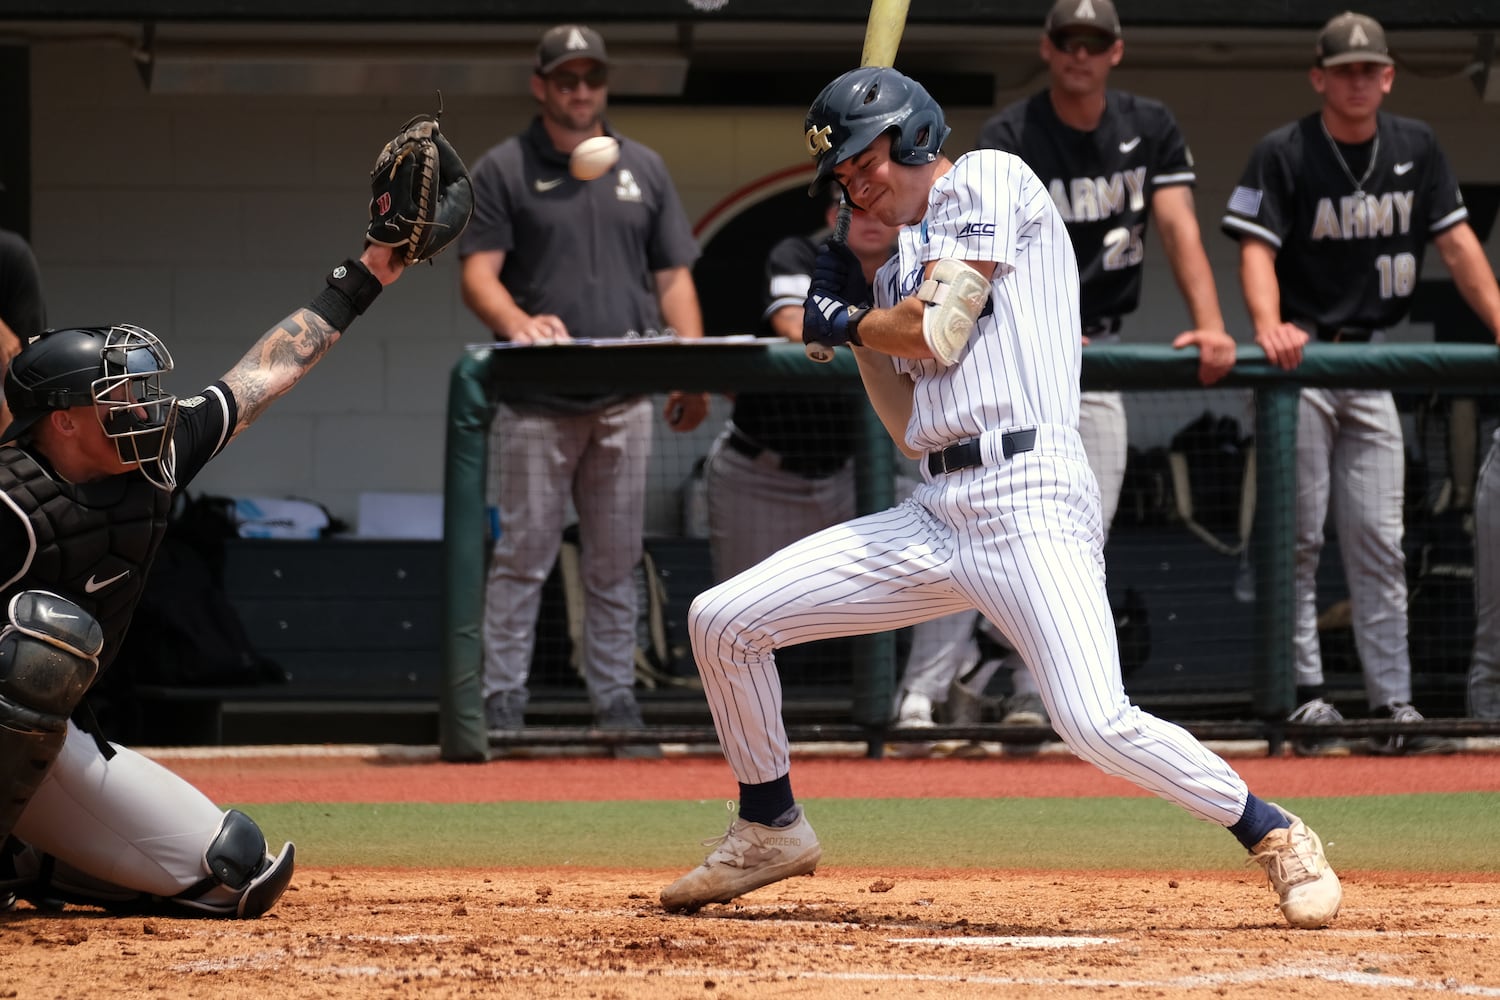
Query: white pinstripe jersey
{"points": [[1021, 365]]}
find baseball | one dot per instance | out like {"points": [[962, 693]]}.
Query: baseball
{"points": [[594, 157]]}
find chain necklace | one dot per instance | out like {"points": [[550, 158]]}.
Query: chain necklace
{"points": [[1359, 185]]}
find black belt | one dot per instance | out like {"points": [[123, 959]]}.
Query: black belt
{"points": [[806, 466], [966, 455], [1344, 334], [1102, 326]]}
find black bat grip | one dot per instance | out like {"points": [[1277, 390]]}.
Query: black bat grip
{"points": [[822, 353]]}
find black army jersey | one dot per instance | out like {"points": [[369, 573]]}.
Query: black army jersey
{"points": [[1349, 223], [1102, 182]]}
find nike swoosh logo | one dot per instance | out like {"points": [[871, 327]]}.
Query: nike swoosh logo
{"points": [[94, 586], [1402, 168], [1126, 147], [542, 185]]}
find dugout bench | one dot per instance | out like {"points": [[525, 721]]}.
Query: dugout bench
{"points": [[355, 624]]}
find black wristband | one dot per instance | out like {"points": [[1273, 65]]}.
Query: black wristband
{"points": [[851, 325], [351, 289]]}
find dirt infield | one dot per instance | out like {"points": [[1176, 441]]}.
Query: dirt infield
{"points": [[355, 935], [361, 933]]}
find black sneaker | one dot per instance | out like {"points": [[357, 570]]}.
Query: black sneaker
{"points": [[505, 711], [1318, 713], [624, 713], [1400, 745]]}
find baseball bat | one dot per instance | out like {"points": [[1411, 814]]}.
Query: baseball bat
{"points": [[883, 28]]}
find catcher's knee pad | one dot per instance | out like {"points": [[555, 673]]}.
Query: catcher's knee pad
{"points": [[49, 655], [243, 879]]}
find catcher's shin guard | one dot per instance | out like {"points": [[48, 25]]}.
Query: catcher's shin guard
{"points": [[244, 880], [49, 655]]}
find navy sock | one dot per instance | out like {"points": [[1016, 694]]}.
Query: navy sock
{"points": [[1258, 820], [766, 802]]}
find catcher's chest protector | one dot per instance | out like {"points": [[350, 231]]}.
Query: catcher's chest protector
{"points": [[92, 542]]}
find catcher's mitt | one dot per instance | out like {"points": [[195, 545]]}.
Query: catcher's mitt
{"points": [[421, 197]]}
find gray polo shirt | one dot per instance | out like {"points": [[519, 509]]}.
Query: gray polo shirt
{"points": [[584, 251]]}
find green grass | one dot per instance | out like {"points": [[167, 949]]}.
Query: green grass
{"points": [[1398, 833]]}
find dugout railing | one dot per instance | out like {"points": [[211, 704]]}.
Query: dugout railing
{"points": [[482, 374]]}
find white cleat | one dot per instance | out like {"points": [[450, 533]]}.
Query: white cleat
{"points": [[1298, 871], [915, 712], [748, 856]]}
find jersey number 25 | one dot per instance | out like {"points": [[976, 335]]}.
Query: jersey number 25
{"points": [[1123, 248]]}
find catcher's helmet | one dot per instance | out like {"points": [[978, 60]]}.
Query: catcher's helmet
{"points": [[862, 105], [118, 368]]}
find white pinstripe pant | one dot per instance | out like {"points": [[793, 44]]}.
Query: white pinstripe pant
{"points": [[943, 651], [1020, 541]]}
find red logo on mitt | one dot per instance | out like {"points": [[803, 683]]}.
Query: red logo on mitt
{"points": [[383, 203]]}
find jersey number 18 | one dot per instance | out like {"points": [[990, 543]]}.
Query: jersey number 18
{"points": [[1398, 274]]}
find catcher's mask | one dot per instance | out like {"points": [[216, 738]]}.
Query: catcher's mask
{"points": [[117, 370], [861, 106]]}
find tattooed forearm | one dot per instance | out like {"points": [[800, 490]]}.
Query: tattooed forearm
{"points": [[277, 362]]}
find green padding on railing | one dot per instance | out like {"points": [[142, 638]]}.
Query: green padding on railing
{"points": [[1458, 367], [784, 367], [1273, 691], [461, 731]]}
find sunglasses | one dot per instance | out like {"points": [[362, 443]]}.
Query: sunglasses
{"points": [[1086, 41], [567, 82]]}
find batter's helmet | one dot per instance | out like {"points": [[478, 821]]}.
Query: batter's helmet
{"points": [[116, 367], [862, 105]]}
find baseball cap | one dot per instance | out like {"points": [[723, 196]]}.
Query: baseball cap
{"points": [[569, 41], [1351, 38], [1099, 15]]}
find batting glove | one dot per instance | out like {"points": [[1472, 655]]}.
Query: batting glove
{"points": [[830, 321], [837, 272]]}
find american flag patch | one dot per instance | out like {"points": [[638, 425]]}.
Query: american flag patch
{"points": [[1245, 201]]}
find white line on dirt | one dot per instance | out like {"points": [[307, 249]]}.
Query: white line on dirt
{"points": [[1006, 942], [1248, 976]]}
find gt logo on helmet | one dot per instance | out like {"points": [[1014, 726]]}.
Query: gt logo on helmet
{"points": [[817, 140]]}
